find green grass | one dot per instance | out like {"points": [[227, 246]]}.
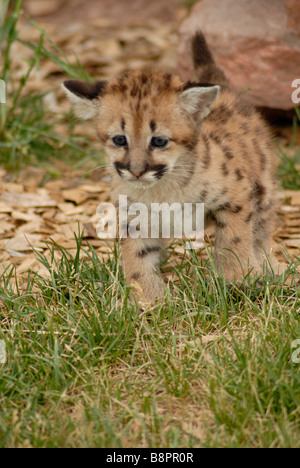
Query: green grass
{"points": [[27, 129], [288, 169], [189, 3], [210, 367]]}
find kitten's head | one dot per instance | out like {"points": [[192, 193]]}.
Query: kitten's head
{"points": [[148, 121]]}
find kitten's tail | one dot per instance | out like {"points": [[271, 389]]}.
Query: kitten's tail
{"points": [[205, 67]]}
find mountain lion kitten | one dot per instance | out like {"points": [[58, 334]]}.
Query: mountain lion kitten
{"points": [[186, 142]]}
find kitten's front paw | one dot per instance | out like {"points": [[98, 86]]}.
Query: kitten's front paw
{"points": [[148, 296]]}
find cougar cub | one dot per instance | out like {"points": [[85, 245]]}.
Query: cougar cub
{"points": [[185, 142]]}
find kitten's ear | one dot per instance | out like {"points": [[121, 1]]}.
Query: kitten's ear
{"points": [[197, 99], [84, 96]]}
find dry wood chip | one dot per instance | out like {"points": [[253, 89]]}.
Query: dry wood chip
{"points": [[31, 227], [293, 243], [295, 200], [54, 185], [66, 244], [89, 230], [286, 194], [14, 253], [49, 215], [47, 231], [75, 195], [6, 227], [81, 219], [68, 229], [289, 209], [30, 263], [49, 224], [12, 188], [291, 230], [293, 222], [104, 248], [4, 208], [60, 219], [8, 234], [92, 188], [56, 237], [288, 235], [27, 216], [32, 177], [38, 8], [44, 273], [96, 243], [22, 242], [70, 209], [26, 200]]}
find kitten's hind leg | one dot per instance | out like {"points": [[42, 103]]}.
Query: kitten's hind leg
{"points": [[234, 255]]}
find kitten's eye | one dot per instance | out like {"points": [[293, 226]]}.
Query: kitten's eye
{"points": [[159, 142], [120, 140]]}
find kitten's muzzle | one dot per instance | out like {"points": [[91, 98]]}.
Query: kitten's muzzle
{"points": [[158, 170]]}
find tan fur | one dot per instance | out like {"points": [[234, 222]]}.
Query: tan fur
{"points": [[223, 159]]}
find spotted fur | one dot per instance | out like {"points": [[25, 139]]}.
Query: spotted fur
{"points": [[171, 141]]}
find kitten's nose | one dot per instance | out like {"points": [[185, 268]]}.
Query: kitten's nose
{"points": [[137, 174]]}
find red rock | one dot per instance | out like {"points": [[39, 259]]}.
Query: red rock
{"points": [[255, 42], [293, 13]]}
